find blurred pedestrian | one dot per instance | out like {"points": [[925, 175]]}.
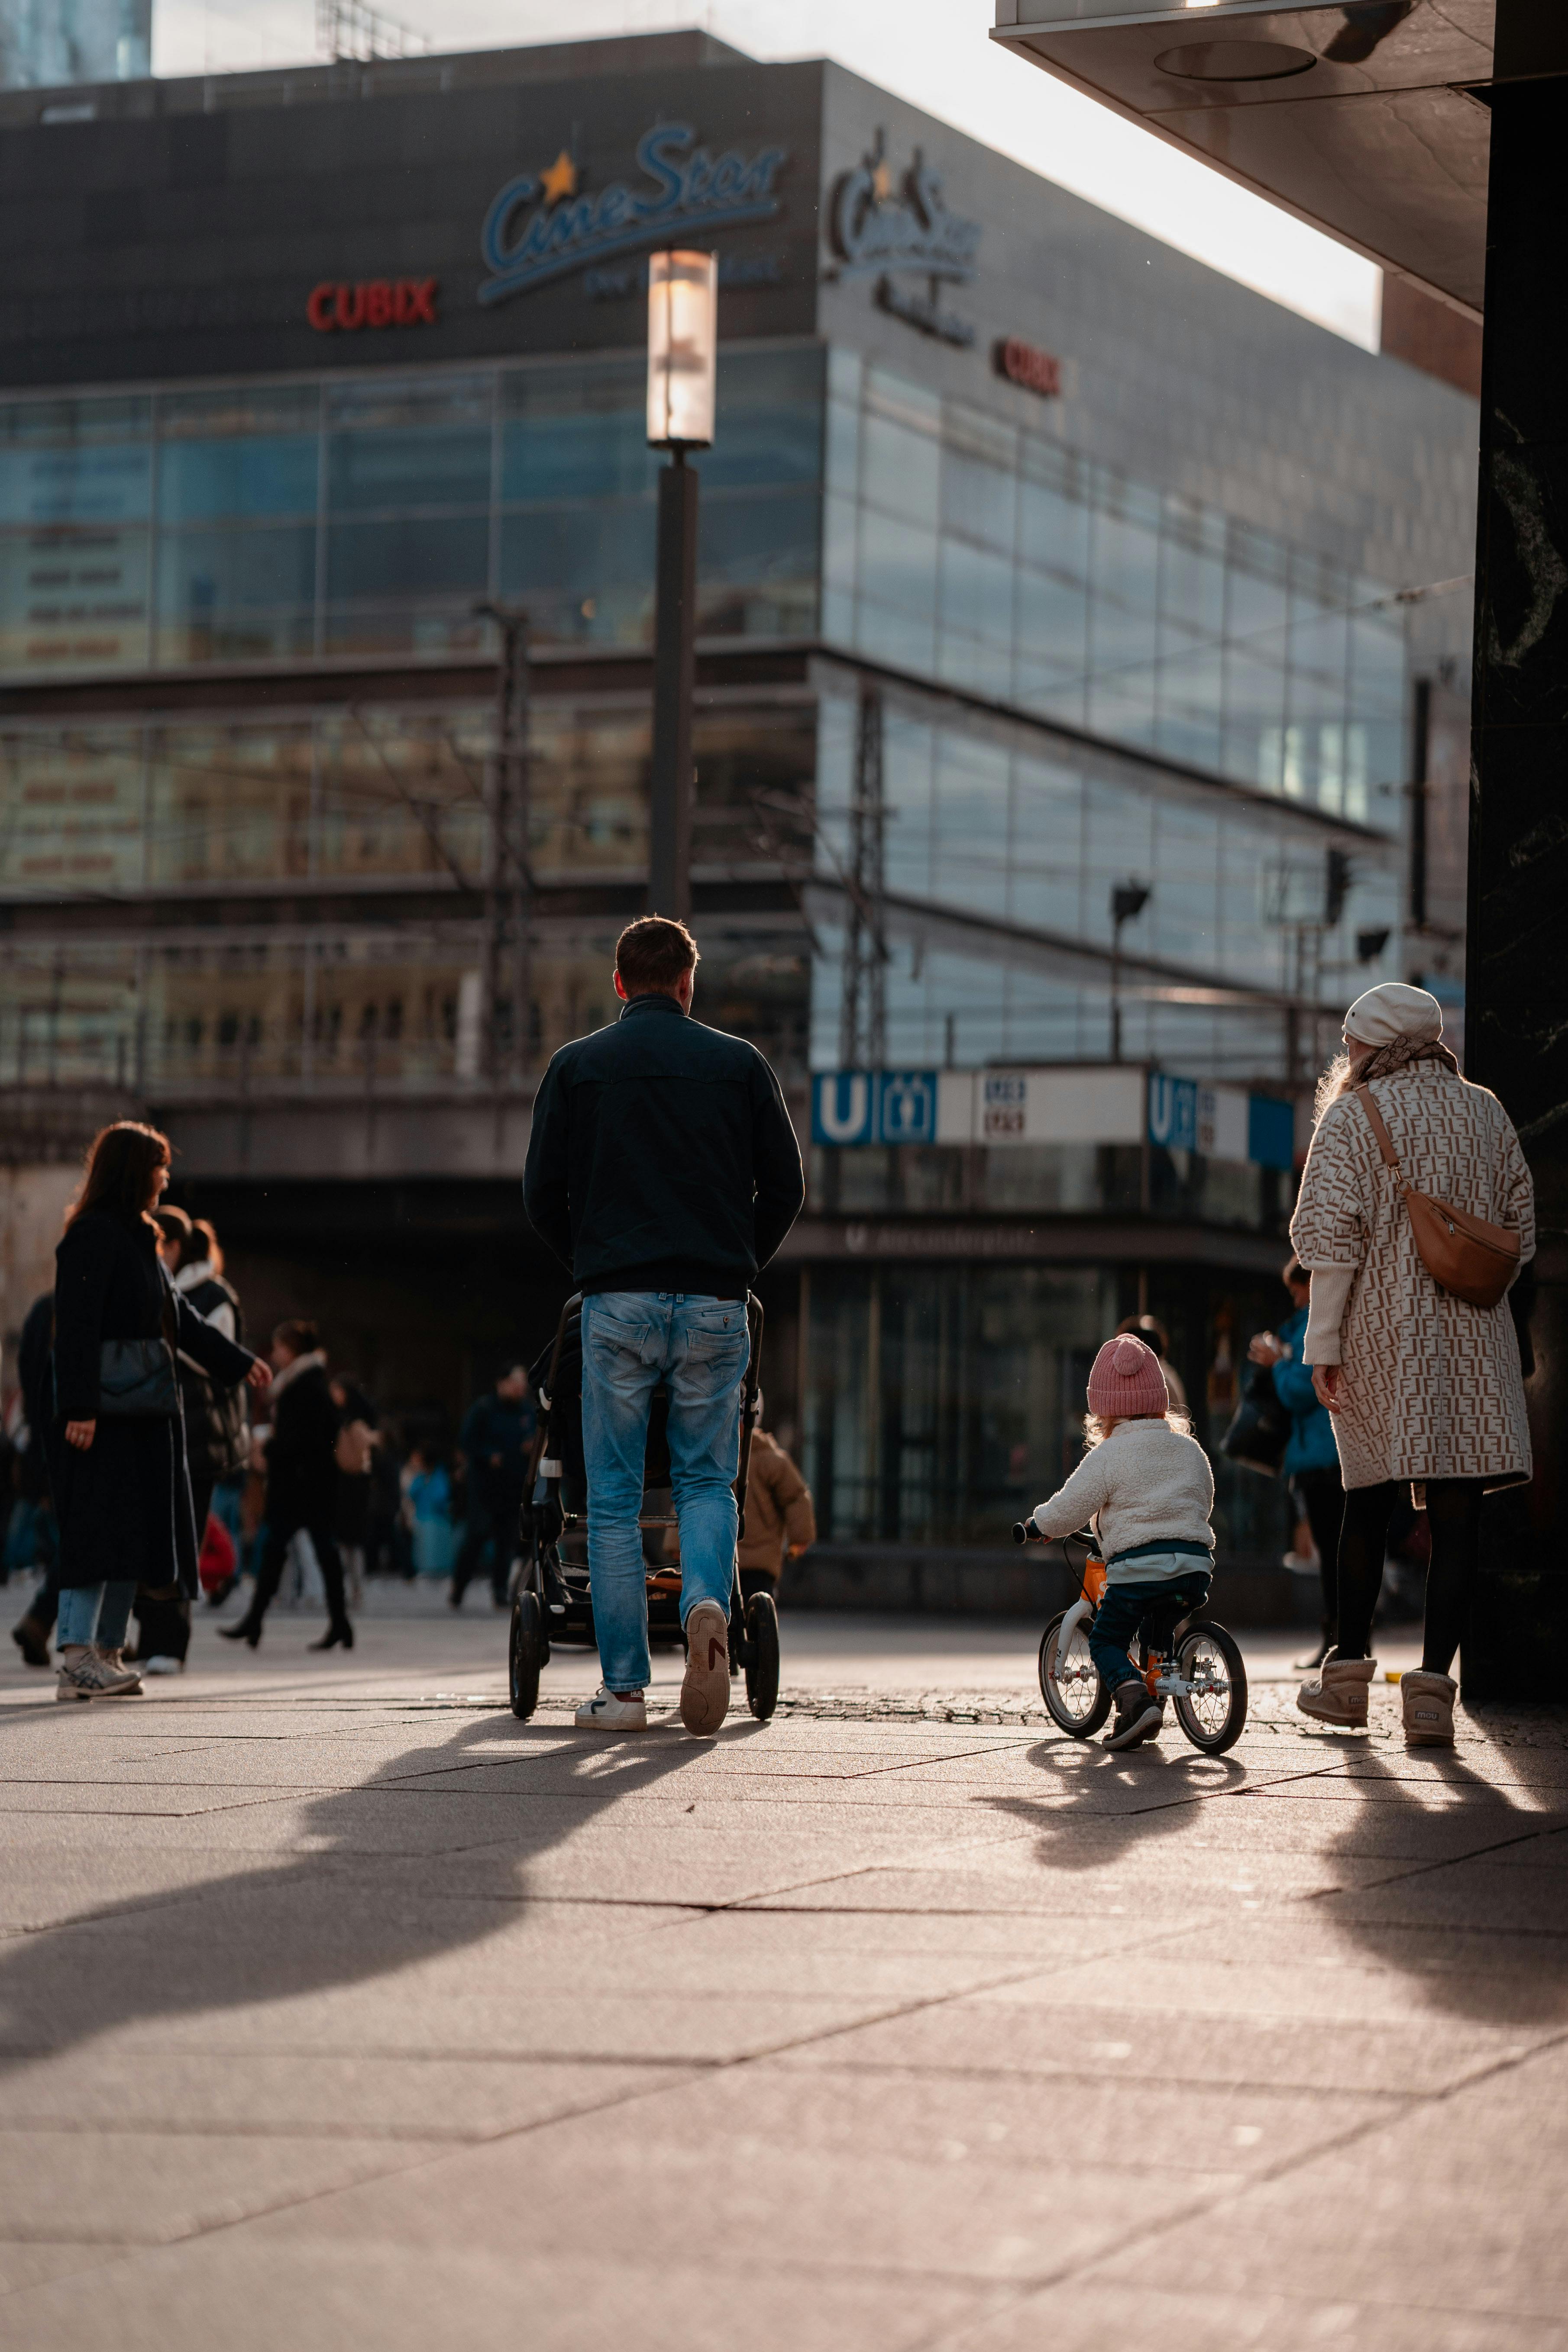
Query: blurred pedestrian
{"points": [[1426, 1388], [36, 1375], [1153, 1334], [780, 1518], [124, 1493], [497, 1432], [301, 1457], [1311, 1461], [356, 1451]]}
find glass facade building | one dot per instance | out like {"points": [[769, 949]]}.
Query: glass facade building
{"points": [[1152, 627]]}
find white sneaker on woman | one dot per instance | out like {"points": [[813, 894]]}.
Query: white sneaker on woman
{"points": [[88, 1674]]}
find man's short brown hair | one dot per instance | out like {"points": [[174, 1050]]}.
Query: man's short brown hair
{"points": [[653, 954]]}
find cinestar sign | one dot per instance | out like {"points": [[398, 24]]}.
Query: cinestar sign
{"points": [[539, 227], [874, 227]]}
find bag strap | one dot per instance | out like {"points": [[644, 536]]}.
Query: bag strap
{"points": [[1385, 1141]]}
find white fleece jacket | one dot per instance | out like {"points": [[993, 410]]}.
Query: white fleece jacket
{"points": [[1144, 1484]]}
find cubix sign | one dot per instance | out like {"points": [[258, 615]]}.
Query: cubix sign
{"points": [[373, 302], [859, 1107]]}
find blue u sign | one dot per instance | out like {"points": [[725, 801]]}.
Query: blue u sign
{"points": [[1172, 1112], [844, 1107], [858, 1107]]}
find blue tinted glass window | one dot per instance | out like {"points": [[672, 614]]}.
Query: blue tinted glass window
{"points": [[980, 495], [976, 591], [199, 571], [402, 446], [897, 565], [95, 482], [264, 477], [759, 538], [577, 432], [769, 423], [406, 560]]}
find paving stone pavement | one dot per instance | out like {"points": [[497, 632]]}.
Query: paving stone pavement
{"points": [[339, 2009]]}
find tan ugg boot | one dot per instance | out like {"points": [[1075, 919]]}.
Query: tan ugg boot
{"points": [[1429, 1702], [1338, 1692]]}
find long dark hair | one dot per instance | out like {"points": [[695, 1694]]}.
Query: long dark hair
{"points": [[120, 1167]]}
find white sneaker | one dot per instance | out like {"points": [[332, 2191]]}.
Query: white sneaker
{"points": [[162, 1666], [85, 1674], [606, 1712]]}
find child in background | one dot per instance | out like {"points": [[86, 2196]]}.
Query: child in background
{"points": [[1147, 1487]]}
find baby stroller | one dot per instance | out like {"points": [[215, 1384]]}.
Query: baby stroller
{"points": [[553, 1598]]}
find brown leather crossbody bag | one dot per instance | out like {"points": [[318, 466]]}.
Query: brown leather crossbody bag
{"points": [[1462, 1254]]}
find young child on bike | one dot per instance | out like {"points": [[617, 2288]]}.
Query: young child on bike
{"points": [[1147, 1487]]}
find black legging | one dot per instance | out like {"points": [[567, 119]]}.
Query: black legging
{"points": [[1321, 1495], [1454, 1517]]}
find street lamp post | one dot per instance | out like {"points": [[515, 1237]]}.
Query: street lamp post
{"points": [[509, 873], [1127, 899], [682, 368]]}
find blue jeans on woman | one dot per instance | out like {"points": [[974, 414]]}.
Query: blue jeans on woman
{"points": [[94, 1613], [632, 1340]]}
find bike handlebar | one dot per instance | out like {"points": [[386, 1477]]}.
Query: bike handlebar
{"points": [[1025, 1531]]}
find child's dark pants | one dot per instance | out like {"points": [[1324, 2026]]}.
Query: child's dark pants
{"points": [[1123, 1611]]}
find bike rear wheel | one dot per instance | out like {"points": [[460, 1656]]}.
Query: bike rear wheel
{"points": [[1076, 1699], [1214, 1714]]}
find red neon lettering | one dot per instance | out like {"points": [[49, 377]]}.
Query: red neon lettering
{"points": [[373, 302], [1021, 363]]}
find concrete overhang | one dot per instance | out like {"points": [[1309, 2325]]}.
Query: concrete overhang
{"points": [[1368, 120]]}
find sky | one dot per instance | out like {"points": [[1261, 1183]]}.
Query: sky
{"points": [[935, 53]]}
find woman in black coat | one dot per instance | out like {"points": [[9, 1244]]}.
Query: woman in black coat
{"points": [[125, 1504], [302, 1483]]}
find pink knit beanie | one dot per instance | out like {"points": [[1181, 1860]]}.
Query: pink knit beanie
{"points": [[1126, 1380]]}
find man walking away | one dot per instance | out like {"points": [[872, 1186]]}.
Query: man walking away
{"points": [[301, 1482], [497, 1432], [664, 1170]]}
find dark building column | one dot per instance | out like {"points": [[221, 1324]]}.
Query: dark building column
{"points": [[1517, 979]]}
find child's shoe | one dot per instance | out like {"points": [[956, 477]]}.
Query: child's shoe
{"points": [[1339, 1694], [1429, 1703], [1139, 1715]]}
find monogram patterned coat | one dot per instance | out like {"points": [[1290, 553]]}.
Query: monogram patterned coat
{"points": [[1431, 1387]]}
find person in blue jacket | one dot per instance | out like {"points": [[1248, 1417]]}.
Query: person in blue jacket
{"points": [[1312, 1462]]}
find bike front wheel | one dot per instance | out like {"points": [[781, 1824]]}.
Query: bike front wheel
{"points": [[1213, 1713], [1076, 1699]]}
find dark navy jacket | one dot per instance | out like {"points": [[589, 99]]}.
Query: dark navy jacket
{"points": [[662, 1157]]}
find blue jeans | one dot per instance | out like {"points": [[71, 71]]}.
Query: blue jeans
{"points": [[631, 1341], [94, 1613], [1122, 1611]]}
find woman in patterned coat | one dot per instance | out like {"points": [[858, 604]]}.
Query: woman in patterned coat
{"points": [[1423, 1387]]}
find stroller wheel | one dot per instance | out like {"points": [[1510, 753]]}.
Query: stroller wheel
{"points": [[527, 1653], [763, 1659]]}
